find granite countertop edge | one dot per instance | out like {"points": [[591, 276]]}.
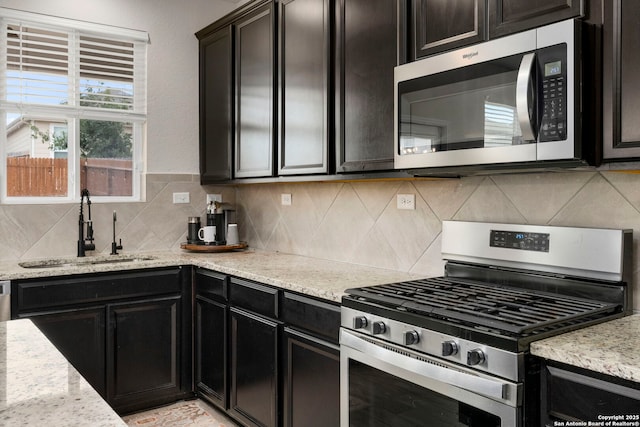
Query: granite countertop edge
{"points": [[320, 278], [609, 348]]}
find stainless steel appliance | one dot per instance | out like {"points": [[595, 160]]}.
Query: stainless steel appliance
{"points": [[454, 350], [513, 102]]}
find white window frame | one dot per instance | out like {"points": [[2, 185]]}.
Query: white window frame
{"points": [[74, 113]]}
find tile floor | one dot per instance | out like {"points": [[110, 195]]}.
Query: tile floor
{"points": [[186, 413]]}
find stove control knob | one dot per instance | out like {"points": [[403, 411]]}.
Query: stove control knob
{"points": [[411, 337], [475, 357], [449, 348], [379, 328], [360, 322]]}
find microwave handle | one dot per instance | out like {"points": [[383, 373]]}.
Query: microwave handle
{"points": [[523, 98]]}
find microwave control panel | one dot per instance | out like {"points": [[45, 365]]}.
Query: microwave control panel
{"points": [[552, 70]]}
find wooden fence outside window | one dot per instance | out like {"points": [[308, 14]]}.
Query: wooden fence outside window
{"points": [[46, 177]]}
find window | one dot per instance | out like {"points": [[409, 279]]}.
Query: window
{"points": [[73, 108]]}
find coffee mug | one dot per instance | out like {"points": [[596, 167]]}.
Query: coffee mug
{"points": [[207, 234], [232, 234]]}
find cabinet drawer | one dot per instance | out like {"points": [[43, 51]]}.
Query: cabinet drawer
{"points": [[253, 296], [38, 295], [211, 284], [571, 393], [320, 318]]}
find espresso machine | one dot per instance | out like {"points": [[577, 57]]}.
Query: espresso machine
{"points": [[221, 215]]}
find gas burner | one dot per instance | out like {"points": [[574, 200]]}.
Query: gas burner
{"points": [[501, 308]]}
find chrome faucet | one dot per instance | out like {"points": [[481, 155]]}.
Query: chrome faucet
{"points": [[85, 243]]}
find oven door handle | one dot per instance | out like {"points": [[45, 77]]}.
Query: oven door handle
{"points": [[435, 370], [524, 97]]}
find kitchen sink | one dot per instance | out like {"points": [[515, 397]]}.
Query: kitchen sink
{"points": [[79, 262]]}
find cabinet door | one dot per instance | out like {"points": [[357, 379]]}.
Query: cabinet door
{"points": [[80, 336], [441, 25], [143, 356], [254, 369], [211, 350], [216, 87], [255, 84], [304, 43], [311, 381], [511, 16], [621, 90], [366, 53]]}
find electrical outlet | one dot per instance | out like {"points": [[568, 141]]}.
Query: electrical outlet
{"points": [[180, 198], [406, 201], [285, 199], [214, 198]]}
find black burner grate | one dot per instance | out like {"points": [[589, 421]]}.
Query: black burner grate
{"points": [[513, 310]]}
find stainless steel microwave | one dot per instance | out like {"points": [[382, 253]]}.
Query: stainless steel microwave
{"points": [[512, 102]]}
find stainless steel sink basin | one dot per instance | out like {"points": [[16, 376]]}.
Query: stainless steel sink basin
{"points": [[79, 262]]}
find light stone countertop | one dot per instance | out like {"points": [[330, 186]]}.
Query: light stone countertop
{"points": [[38, 387], [311, 276], [611, 348]]}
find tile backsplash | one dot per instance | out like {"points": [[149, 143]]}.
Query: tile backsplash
{"points": [[359, 222], [353, 222], [49, 231]]}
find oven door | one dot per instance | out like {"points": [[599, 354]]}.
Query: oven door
{"points": [[382, 384]]}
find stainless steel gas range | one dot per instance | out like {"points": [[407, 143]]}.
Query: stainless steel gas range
{"points": [[454, 350]]}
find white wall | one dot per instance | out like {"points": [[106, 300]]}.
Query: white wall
{"points": [[172, 129]]}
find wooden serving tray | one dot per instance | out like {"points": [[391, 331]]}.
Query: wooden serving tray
{"points": [[213, 248]]}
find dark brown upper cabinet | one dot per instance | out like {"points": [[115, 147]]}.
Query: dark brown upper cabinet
{"points": [[512, 16], [621, 84], [438, 25], [255, 93], [304, 38], [441, 25], [216, 119], [367, 50]]}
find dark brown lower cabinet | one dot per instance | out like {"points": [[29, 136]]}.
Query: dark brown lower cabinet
{"points": [[143, 353], [311, 385], [211, 350], [127, 333], [575, 394], [266, 357], [254, 368]]}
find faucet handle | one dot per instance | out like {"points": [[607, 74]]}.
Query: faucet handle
{"points": [[115, 247], [90, 231]]}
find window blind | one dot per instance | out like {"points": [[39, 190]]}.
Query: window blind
{"points": [[49, 64]]}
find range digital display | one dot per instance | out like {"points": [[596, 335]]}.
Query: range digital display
{"points": [[538, 242]]}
